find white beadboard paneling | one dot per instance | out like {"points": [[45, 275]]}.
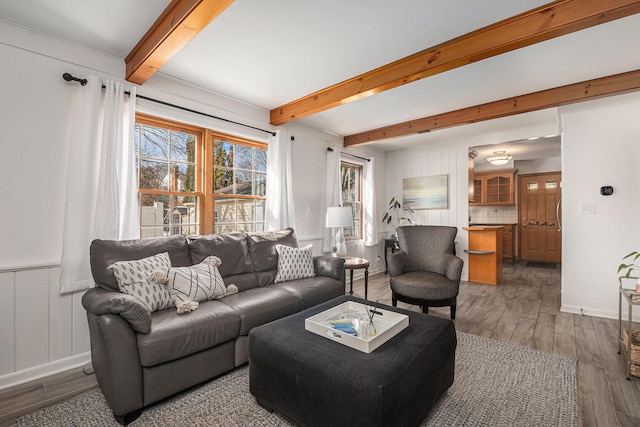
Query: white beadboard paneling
{"points": [[60, 319], [80, 327], [32, 318], [7, 323]]}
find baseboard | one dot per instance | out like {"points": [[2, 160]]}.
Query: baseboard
{"points": [[41, 371], [596, 312]]}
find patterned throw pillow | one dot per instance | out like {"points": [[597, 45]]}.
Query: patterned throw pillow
{"points": [[294, 263], [132, 277], [198, 282]]}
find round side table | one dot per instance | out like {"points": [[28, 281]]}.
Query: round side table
{"points": [[355, 263]]}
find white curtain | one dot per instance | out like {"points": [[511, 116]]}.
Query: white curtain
{"points": [[280, 208], [370, 228], [333, 193], [101, 198]]}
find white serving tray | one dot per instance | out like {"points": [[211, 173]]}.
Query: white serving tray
{"points": [[387, 324]]}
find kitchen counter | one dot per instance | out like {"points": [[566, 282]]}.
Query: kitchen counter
{"points": [[475, 224], [485, 253], [484, 227]]}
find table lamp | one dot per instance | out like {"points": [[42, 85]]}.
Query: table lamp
{"points": [[339, 217]]}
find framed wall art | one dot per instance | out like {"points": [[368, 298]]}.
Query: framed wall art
{"points": [[427, 192]]}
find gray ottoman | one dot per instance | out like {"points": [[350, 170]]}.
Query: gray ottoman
{"points": [[314, 381]]}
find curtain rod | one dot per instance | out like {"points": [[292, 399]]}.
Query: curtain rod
{"points": [[352, 155], [68, 77]]}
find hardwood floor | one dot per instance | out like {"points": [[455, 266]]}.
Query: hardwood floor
{"points": [[522, 310]]}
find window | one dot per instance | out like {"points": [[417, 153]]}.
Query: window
{"points": [[352, 197], [168, 178], [239, 184], [185, 190]]}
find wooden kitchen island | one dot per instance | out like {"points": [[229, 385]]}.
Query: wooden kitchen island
{"points": [[485, 253]]}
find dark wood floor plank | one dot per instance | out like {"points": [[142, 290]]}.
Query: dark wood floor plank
{"points": [[596, 408]]}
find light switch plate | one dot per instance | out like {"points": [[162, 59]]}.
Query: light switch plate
{"points": [[588, 208]]}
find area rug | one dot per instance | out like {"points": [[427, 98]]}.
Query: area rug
{"points": [[539, 264], [496, 384]]}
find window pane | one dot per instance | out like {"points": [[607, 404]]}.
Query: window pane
{"points": [[244, 157], [154, 142], [223, 181], [244, 182], [261, 211], [260, 188], [182, 147], [222, 153], [224, 211], [532, 185], [232, 214], [355, 230], [260, 160], [181, 178], [152, 175], [163, 215], [551, 184]]}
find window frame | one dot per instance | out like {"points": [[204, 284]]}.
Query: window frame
{"points": [[204, 167], [211, 137], [360, 168], [147, 120]]}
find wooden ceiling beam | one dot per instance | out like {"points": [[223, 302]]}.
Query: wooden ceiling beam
{"points": [[563, 95], [180, 22], [546, 22]]}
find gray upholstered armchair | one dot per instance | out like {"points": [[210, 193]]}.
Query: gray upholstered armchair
{"points": [[425, 271]]}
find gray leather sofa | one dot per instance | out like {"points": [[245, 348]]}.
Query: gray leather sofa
{"points": [[140, 357]]}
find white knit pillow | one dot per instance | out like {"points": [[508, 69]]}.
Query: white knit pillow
{"points": [[198, 282], [294, 263], [132, 277]]}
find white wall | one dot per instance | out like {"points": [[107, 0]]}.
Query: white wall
{"points": [[41, 331], [600, 146]]}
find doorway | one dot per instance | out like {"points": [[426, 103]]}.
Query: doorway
{"points": [[540, 217]]}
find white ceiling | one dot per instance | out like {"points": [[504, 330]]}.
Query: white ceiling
{"points": [[270, 52]]}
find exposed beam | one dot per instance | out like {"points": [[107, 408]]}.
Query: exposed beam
{"points": [[537, 25], [181, 21], [563, 95]]}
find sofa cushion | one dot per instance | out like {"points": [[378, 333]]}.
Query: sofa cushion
{"points": [[294, 263], [312, 291], [103, 253], [261, 305], [262, 247], [232, 249], [174, 336], [133, 279]]}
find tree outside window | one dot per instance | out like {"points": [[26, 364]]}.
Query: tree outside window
{"points": [[351, 177]]}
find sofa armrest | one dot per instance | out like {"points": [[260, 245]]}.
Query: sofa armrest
{"points": [[397, 263], [329, 266], [98, 301], [453, 267]]}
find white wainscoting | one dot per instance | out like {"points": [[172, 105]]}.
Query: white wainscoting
{"points": [[42, 332]]}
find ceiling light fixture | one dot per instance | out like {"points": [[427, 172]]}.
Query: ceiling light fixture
{"points": [[499, 158]]}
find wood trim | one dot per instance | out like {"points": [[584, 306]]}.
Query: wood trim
{"points": [[207, 220], [563, 95], [546, 22], [181, 21]]}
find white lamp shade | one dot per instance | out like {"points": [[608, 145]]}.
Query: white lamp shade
{"points": [[339, 217]]}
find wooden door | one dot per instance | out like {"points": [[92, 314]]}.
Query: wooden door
{"points": [[540, 217]]}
